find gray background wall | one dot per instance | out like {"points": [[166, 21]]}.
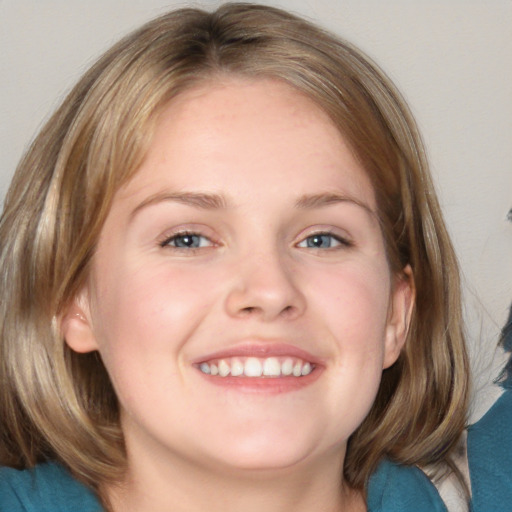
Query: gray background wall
{"points": [[452, 59]]}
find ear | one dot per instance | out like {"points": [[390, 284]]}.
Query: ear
{"points": [[399, 317], [75, 325]]}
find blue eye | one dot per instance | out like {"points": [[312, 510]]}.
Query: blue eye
{"points": [[322, 241], [186, 241]]}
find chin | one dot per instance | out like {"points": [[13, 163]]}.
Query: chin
{"points": [[266, 451]]}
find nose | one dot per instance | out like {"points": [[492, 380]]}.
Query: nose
{"points": [[264, 286]]}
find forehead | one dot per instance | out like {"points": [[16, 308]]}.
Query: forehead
{"points": [[233, 133]]}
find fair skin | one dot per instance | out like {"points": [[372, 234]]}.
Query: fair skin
{"points": [[248, 241]]}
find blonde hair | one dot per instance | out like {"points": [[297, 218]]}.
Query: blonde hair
{"points": [[59, 405]]}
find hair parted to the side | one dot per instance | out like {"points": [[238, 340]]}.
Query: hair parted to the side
{"points": [[59, 405]]}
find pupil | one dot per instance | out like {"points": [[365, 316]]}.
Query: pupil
{"points": [[187, 241], [319, 241]]}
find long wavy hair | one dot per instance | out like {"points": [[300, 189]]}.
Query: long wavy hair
{"points": [[59, 405]]}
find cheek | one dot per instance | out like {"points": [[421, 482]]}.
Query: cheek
{"points": [[143, 318], [354, 302], [149, 298], [141, 314]]}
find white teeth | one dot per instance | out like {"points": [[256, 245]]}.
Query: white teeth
{"points": [[271, 367], [253, 367], [287, 366], [257, 367], [224, 368], [306, 369], [237, 367]]}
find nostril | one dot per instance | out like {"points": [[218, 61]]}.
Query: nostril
{"points": [[288, 310]]}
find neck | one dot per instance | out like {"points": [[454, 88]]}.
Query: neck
{"points": [[185, 487]]}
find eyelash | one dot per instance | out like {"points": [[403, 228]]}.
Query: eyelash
{"points": [[343, 242], [169, 240]]}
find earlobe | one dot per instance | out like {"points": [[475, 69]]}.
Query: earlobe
{"points": [[75, 325], [402, 305]]}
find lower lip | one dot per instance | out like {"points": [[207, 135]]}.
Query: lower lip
{"points": [[268, 385]]}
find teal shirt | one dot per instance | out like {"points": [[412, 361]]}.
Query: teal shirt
{"points": [[46, 488], [490, 458], [50, 488], [490, 446], [396, 488]]}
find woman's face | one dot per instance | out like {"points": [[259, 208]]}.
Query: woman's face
{"points": [[240, 295]]}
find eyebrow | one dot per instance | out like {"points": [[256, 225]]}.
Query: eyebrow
{"points": [[195, 199], [207, 201], [311, 201]]}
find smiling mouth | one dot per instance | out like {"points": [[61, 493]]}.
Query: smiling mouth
{"points": [[257, 367]]}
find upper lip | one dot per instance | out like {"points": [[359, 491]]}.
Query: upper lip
{"points": [[261, 349]]}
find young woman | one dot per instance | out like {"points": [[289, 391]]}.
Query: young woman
{"points": [[227, 283]]}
